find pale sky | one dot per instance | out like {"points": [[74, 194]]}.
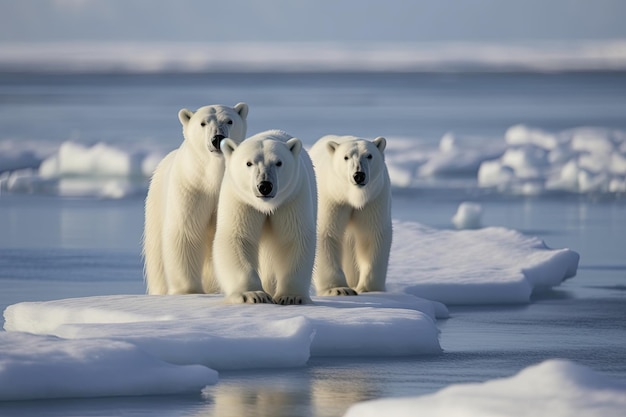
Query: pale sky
{"points": [[311, 20]]}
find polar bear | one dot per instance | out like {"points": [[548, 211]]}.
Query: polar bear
{"points": [[265, 240], [354, 215], [181, 205]]}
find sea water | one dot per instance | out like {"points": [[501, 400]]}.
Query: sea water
{"points": [[55, 247]]}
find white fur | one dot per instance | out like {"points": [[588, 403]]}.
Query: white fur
{"points": [[182, 203], [354, 220], [264, 247]]}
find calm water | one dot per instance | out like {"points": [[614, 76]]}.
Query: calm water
{"points": [[56, 248]]}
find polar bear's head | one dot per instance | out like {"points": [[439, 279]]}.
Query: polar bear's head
{"points": [[206, 127], [264, 169], [359, 165]]}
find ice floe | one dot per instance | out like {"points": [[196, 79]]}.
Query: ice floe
{"points": [[187, 336], [486, 266], [553, 388], [44, 367]]}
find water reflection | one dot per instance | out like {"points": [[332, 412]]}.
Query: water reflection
{"points": [[305, 392]]}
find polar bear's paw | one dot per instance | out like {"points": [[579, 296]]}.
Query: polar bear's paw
{"points": [[287, 300], [252, 297], [339, 291]]}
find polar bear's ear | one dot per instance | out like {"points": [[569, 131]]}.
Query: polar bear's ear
{"points": [[242, 109], [228, 146], [295, 146], [332, 147], [381, 143], [184, 115]]}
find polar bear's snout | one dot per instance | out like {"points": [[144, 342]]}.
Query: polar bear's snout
{"points": [[265, 188], [217, 140], [360, 178]]}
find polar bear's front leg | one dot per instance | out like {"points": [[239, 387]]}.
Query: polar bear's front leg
{"points": [[328, 275], [184, 240], [182, 260], [235, 255], [293, 237], [372, 244]]}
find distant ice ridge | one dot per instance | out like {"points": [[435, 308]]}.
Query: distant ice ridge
{"points": [[583, 160], [77, 170], [555, 388], [529, 161], [155, 57], [526, 161]]}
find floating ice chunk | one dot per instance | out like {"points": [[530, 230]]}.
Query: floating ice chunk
{"points": [[75, 159], [495, 174], [582, 160], [524, 135], [447, 143], [485, 266], [40, 367], [618, 164], [456, 159], [468, 216], [591, 141], [203, 330], [403, 157], [618, 185], [555, 388], [527, 162], [566, 178], [520, 170], [589, 181], [76, 170]]}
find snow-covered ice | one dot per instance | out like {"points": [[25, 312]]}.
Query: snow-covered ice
{"points": [[468, 216], [491, 265], [42, 367], [203, 329], [175, 335], [486, 266], [553, 388]]}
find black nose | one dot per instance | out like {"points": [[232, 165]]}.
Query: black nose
{"points": [[265, 187], [217, 139], [359, 177]]}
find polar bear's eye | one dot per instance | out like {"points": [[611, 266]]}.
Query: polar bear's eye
{"points": [[279, 163], [229, 122], [369, 156], [249, 164], [345, 158], [203, 124]]}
